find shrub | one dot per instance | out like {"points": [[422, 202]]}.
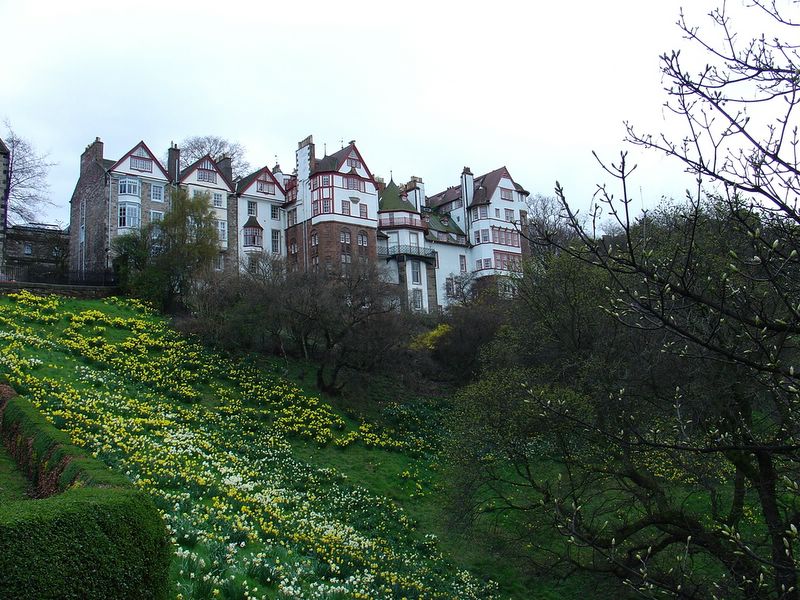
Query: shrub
{"points": [[91, 535]]}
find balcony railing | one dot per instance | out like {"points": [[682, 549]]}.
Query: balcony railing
{"points": [[401, 222], [406, 249]]}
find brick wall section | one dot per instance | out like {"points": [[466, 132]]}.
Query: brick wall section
{"points": [[330, 249], [430, 274], [92, 191], [49, 249], [232, 257], [3, 206]]}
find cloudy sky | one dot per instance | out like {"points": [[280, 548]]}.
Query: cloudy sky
{"points": [[424, 87]]}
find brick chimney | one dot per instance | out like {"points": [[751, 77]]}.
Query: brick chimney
{"points": [[93, 153], [173, 162], [226, 166]]}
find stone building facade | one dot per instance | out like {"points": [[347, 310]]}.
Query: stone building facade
{"points": [[330, 211], [4, 190], [37, 252]]}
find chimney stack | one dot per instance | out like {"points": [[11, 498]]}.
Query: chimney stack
{"points": [[93, 152], [173, 162], [226, 166]]}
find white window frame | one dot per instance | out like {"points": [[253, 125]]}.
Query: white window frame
{"points": [[276, 241], [416, 272], [129, 215], [156, 197], [217, 200], [507, 194], [207, 175], [416, 299], [265, 187], [274, 212], [252, 208], [222, 230], [141, 163], [128, 186]]}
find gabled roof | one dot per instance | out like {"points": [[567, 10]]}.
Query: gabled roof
{"points": [[450, 194], [435, 223], [484, 187], [196, 164], [335, 161], [391, 199], [248, 180], [141, 144]]}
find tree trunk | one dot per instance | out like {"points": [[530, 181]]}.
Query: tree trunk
{"points": [[783, 563]]}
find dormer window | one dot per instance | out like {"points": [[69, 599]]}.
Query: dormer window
{"points": [[354, 163]]}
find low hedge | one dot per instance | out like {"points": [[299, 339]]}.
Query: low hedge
{"points": [[87, 534]]}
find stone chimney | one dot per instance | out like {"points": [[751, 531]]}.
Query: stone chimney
{"points": [[467, 192], [226, 166], [173, 162], [416, 192], [305, 158], [93, 153]]}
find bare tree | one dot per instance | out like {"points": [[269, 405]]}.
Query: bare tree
{"points": [[27, 191], [717, 279], [196, 147]]}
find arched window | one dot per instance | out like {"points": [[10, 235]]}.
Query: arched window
{"points": [[314, 238], [363, 240], [344, 236]]}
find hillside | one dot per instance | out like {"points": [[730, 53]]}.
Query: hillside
{"points": [[208, 439], [267, 492]]}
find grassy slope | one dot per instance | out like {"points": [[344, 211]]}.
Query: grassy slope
{"points": [[408, 479], [13, 483]]}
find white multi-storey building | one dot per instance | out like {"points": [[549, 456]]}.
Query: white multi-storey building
{"points": [[330, 211]]}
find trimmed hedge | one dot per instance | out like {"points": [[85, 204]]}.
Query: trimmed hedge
{"points": [[89, 535]]}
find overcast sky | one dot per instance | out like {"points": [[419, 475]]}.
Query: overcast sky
{"points": [[424, 88]]}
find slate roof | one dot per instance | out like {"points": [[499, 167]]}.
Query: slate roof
{"points": [[391, 199], [3, 148], [332, 162], [484, 188], [253, 222], [108, 163], [435, 223]]}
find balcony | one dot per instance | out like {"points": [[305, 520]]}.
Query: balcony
{"points": [[390, 222], [406, 250]]}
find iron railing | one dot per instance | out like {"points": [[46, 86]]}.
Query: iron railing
{"points": [[42, 274], [411, 250]]}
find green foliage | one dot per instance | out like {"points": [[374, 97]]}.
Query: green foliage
{"points": [[93, 536], [162, 261], [430, 339]]}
